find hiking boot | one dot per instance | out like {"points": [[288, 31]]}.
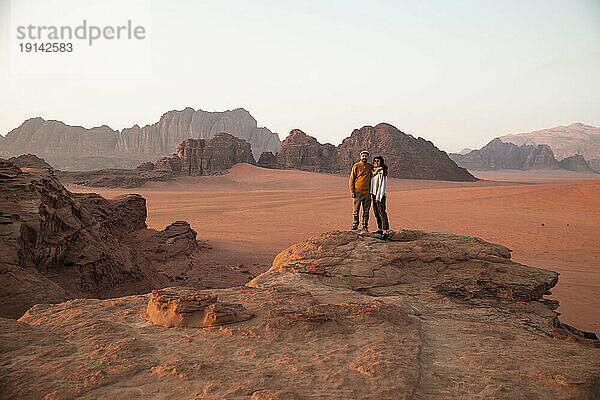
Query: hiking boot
{"points": [[379, 232], [354, 227]]}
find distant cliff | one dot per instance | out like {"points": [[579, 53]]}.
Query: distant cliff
{"points": [[499, 155], [406, 156], [77, 148], [565, 141]]}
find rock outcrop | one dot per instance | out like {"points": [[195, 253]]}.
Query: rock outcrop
{"points": [[406, 156], [499, 155], [564, 141], [30, 161], [77, 148], [203, 157], [576, 163], [58, 245], [122, 178], [340, 315]]}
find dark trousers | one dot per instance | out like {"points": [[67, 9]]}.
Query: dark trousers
{"points": [[381, 214], [364, 200]]}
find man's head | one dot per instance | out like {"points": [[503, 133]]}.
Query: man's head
{"points": [[364, 156]]}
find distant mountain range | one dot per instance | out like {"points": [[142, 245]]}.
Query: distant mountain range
{"points": [[574, 147], [564, 141], [77, 148]]}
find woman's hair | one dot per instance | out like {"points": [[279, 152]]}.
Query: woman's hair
{"points": [[385, 167]]}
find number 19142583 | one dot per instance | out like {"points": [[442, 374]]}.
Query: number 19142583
{"points": [[46, 47]]}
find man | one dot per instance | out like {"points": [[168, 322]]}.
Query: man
{"points": [[360, 189]]}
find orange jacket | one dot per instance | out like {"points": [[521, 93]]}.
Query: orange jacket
{"points": [[360, 177]]}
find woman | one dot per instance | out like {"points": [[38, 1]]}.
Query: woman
{"points": [[379, 195]]}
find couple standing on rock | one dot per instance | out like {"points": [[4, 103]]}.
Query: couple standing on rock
{"points": [[368, 183]]}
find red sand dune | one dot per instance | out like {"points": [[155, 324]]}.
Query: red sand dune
{"points": [[251, 214]]}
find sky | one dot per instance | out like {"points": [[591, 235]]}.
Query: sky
{"points": [[458, 73]]}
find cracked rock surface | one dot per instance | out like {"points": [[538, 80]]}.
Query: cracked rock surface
{"points": [[340, 315]]}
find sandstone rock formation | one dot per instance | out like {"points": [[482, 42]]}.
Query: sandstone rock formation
{"points": [[57, 245], [406, 156], [499, 155], [565, 141], [576, 163], [180, 307], [203, 157], [30, 161], [193, 157], [300, 151], [340, 315], [76, 148]]}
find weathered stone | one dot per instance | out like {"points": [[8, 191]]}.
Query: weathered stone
{"points": [[179, 308]]}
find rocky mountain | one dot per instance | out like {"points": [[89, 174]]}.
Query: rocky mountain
{"points": [[499, 155], [576, 163], [406, 156], [77, 148], [202, 157], [565, 141], [340, 315], [57, 245], [177, 126], [594, 164]]}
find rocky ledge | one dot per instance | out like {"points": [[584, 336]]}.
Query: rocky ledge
{"points": [[340, 315]]}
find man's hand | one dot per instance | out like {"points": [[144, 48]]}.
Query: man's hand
{"points": [[353, 195]]}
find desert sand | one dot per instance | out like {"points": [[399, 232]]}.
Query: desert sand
{"points": [[250, 214]]}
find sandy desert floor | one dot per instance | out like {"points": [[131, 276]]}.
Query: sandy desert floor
{"points": [[249, 215]]}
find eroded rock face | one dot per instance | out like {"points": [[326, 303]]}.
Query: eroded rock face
{"points": [[406, 156], [76, 148], [58, 245], [499, 155], [179, 308], [340, 315], [300, 151], [203, 157]]}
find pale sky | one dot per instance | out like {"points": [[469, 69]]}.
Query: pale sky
{"points": [[458, 73]]}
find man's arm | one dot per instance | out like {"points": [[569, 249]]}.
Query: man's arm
{"points": [[353, 181]]}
